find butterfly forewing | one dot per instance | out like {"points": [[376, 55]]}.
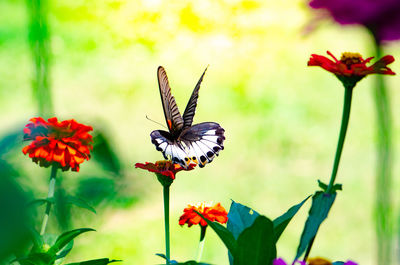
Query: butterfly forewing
{"points": [[184, 143], [190, 109], [172, 115]]}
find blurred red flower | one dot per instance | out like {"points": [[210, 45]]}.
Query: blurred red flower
{"points": [[351, 67], [164, 167], [66, 143], [212, 213]]}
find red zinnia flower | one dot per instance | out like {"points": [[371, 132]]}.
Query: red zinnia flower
{"points": [[164, 167], [67, 143], [212, 213], [351, 67]]}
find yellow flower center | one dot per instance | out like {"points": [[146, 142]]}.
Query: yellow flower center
{"points": [[318, 261], [201, 205], [163, 164], [350, 58]]}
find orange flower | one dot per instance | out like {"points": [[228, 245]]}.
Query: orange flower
{"points": [[67, 143], [164, 167], [212, 213], [351, 67]]}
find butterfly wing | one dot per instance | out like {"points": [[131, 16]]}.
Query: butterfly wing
{"points": [[190, 109], [170, 148], [203, 142], [199, 143], [171, 112]]}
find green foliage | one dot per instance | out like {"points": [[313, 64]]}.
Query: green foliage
{"points": [[250, 237], [282, 221], [239, 218], [190, 262], [321, 204], [104, 154], [66, 237], [80, 203], [256, 244], [335, 187], [95, 262], [48, 248]]}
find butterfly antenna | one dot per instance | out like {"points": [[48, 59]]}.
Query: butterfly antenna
{"points": [[156, 122]]}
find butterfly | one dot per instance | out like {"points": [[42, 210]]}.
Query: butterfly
{"points": [[185, 143]]}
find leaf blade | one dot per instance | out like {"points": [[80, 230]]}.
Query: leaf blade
{"points": [[256, 244], [282, 221], [321, 204]]}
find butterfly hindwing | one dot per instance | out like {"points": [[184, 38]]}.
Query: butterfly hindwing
{"points": [[184, 143], [170, 148], [203, 142], [172, 115]]}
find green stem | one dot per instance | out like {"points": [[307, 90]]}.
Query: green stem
{"points": [[166, 221], [348, 92], [50, 198], [39, 39], [201, 242], [383, 198]]}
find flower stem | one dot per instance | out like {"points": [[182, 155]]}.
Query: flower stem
{"points": [[201, 242], [383, 196], [166, 221], [348, 92], [50, 198]]}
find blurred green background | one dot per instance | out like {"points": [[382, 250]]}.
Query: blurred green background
{"points": [[281, 118]]}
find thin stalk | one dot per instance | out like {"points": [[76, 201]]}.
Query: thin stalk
{"points": [[383, 198], [166, 221], [348, 92], [50, 198], [200, 248]]}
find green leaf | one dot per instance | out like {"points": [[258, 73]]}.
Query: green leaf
{"points": [[39, 202], [36, 259], [165, 257], [192, 262], [95, 262], [223, 233], [239, 218], [66, 237], [321, 204], [65, 250], [256, 244], [324, 187], [282, 221], [104, 154], [80, 203]]}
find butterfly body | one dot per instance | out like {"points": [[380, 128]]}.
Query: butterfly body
{"points": [[185, 143]]}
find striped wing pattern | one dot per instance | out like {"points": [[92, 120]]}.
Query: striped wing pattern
{"points": [[172, 115], [183, 143], [199, 144], [190, 109]]}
